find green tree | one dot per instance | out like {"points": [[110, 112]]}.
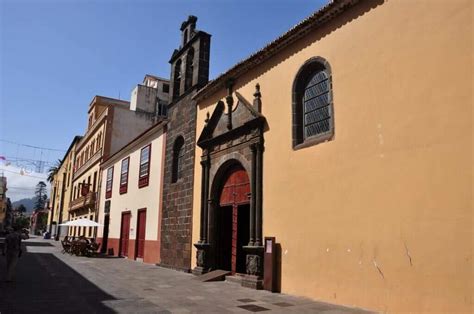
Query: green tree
{"points": [[22, 222], [40, 194], [53, 170], [21, 209]]}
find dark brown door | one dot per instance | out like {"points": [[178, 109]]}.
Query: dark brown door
{"points": [[141, 223], [234, 202], [125, 234]]}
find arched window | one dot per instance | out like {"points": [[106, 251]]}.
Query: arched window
{"points": [[313, 115], [99, 141], [185, 37], [177, 79], [189, 69], [178, 154], [87, 153]]}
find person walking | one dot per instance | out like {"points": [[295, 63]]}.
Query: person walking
{"points": [[12, 250]]}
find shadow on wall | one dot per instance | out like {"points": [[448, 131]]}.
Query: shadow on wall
{"points": [[278, 267], [45, 284]]}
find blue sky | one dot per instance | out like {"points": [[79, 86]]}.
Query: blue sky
{"points": [[56, 55]]}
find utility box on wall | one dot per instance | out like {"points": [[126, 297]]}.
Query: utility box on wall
{"points": [[269, 265]]}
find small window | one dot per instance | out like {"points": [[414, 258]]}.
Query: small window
{"points": [[178, 154], [313, 118], [144, 170], [161, 108], [108, 184], [124, 175], [166, 88], [99, 141]]}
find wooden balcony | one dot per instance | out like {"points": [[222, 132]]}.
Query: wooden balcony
{"points": [[87, 201]]}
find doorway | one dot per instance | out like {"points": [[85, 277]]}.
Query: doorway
{"points": [[233, 220], [124, 234], [105, 237], [140, 242]]}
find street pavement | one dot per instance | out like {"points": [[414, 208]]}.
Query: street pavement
{"points": [[51, 282]]}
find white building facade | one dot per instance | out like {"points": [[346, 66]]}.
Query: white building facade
{"points": [[130, 197]]}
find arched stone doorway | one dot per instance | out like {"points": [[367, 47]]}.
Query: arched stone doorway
{"points": [[232, 220], [230, 227]]}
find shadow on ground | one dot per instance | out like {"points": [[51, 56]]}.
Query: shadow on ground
{"points": [[44, 284], [26, 243]]}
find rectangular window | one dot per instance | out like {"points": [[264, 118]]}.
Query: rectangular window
{"points": [[144, 171], [124, 175], [108, 184]]}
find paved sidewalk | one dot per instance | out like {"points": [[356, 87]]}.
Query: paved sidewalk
{"points": [[51, 282]]}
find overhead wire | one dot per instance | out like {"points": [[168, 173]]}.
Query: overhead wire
{"points": [[32, 146]]}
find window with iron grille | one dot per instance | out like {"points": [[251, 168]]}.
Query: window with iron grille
{"points": [[108, 184], [144, 171], [178, 155], [313, 118], [124, 175]]}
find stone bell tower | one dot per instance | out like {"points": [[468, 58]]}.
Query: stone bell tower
{"points": [[189, 72]]}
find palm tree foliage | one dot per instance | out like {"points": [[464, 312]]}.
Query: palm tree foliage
{"points": [[53, 170]]}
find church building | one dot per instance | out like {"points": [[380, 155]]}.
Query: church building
{"points": [[341, 151]]}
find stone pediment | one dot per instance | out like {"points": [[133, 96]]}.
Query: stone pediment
{"points": [[244, 119]]}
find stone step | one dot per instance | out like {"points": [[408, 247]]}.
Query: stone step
{"points": [[215, 275], [234, 279]]}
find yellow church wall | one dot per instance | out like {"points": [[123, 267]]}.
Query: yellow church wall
{"points": [[380, 216]]}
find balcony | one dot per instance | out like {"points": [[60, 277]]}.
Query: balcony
{"points": [[87, 201]]}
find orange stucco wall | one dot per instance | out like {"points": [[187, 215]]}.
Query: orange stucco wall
{"points": [[380, 216]]}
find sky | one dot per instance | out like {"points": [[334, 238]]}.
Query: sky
{"points": [[55, 56]]}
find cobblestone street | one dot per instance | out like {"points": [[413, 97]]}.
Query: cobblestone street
{"points": [[51, 282]]}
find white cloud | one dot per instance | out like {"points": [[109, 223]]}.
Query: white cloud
{"points": [[21, 182]]}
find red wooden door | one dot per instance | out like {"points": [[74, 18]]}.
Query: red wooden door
{"points": [[141, 223], [235, 192], [125, 234]]}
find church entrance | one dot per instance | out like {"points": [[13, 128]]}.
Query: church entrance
{"points": [[233, 220]]}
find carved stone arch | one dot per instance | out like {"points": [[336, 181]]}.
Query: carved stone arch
{"points": [[220, 166]]}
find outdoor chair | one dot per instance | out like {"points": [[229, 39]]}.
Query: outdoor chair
{"points": [[92, 248], [66, 246]]}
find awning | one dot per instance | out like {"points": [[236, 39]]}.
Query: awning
{"points": [[82, 222]]}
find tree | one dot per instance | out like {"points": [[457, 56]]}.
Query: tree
{"points": [[21, 209], [53, 170], [41, 196], [22, 222]]}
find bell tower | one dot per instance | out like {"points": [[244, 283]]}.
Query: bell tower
{"points": [[190, 62], [189, 72]]}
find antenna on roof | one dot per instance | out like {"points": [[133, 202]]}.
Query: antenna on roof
{"points": [[119, 95]]}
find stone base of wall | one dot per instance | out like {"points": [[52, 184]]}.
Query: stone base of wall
{"points": [[113, 246], [151, 254]]}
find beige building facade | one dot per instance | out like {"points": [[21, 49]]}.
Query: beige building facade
{"points": [[112, 124], [356, 153], [61, 192], [130, 198]]}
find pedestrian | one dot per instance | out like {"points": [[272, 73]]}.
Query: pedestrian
{"points": [[12, 250]]}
